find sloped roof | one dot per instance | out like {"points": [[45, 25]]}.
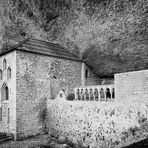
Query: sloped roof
{"points": [[42, 47]]}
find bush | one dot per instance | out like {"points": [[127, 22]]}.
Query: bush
{"points": [[70, 96]]}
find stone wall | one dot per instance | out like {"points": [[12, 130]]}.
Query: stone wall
{"points": [[91, 79], [65, 74], [8, 123], [131, 85], [105, 81], [95, 124], [33, 86], [40, 77]]}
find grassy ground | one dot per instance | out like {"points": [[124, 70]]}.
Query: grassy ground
{"points": [[40, 141], [31, 142], [43, 141]]}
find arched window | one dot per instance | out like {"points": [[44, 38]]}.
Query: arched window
{"points": [[1, 74], [9, 73], [78, 94], [4, 64], [86, 73], [102, 95], [4, 93], [113, 93], [91, 94], [87, 95], [96, 94], [108, 94]]}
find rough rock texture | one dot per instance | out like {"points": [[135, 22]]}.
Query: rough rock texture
{"points": [[38, 78], [91, 78], [33, 86], [65, 75], [110, 35], [99, 125]]}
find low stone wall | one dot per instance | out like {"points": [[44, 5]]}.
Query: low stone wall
{"points": [[98, 125], [132, 86]]}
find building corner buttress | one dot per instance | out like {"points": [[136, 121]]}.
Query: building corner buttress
{"points": [[82, 74]]}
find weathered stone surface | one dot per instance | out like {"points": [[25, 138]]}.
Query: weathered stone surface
{"points": [[131, 86], [110, 35], [33, 86], [92, 79], [64, 74], [38, 78], [8, 123], [100, 125]]}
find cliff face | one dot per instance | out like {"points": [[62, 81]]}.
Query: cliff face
{"points": [[110, 35]]}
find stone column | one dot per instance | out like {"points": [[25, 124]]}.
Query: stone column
{"points": [[83, 74]]}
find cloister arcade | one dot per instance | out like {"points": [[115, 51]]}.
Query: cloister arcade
{"points": [[95, 93]]}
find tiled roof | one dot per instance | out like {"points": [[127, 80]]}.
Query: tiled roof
{"points": [[43, 47]]}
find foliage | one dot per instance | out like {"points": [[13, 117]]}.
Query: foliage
{"points": [[70, 96], [116, 125], [113, 32]]}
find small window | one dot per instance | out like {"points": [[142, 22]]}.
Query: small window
{"points": [[86, 73], [9, 73], [4, 64], [1, 74]]}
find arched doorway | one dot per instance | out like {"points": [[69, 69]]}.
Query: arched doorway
{"points": [[5, 108]]}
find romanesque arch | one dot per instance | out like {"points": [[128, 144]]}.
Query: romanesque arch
{"points": [[4, 64], [1, 74]]}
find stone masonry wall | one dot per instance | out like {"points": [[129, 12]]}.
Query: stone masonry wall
{"points": [[105, 81], [40, 77], [8, 123], [97, 124], [131, 85], [65, 74], [92, 78], [33, 86]]}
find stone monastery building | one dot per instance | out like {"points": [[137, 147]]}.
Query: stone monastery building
{"points": [[30, 72]]}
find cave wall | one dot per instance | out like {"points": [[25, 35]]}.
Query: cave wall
{"points": [[90, 77], [110, 35]]}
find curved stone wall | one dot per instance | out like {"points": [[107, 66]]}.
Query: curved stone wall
{"points": [[99, 125]]}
